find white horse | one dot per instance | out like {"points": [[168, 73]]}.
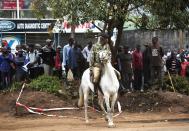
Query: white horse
{"points": [[109, 85]]}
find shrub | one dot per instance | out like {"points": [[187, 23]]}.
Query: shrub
{"points": [[46, 83], [180, 83], [16, 86]]}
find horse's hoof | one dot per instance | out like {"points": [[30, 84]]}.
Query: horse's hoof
{"points": [[87, 121], [111, 126], [106, 119]]}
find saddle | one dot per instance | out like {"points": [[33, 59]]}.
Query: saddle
{"points": [[96, 85]]}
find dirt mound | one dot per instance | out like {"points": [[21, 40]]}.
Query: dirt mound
{"points": [[30, 98], [155, 102], [133, 102]]}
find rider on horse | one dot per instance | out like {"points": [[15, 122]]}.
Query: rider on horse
{"points": [[95, 64]]}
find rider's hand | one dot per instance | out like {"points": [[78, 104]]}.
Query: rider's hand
{"points": [[91, 71], [132, 77], [29, 65]]}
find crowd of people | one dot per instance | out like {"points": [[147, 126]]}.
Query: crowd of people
{"points": [[142, 69], [30, 61], [138, 68]]}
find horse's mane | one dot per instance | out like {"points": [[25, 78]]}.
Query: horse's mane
{"points": [[110, 70]]}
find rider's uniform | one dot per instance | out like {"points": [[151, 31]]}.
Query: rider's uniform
{"points": [[95, 63]]}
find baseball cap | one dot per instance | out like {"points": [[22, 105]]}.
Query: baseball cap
{"points": [[48, 40], [105, 35]]}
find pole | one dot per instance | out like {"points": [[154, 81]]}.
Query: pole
{"points": [[54, 42], [25, 39], [181, 36], [58, 38], [18, 9], [171, 81], [1, 42]]}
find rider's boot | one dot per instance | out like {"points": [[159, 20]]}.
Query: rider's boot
{"points": [[96, 86]]}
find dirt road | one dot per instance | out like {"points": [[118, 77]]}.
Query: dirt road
{"points": [[128, 122], [164, 111]]}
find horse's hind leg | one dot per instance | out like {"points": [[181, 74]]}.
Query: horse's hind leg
{"points": [[81, 99], [86, 94], [109, 113]]}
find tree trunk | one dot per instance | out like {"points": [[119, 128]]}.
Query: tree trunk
{"points": [[119, 25], [119, 35], [181, 39], [110, 28], [72, 31], [118, 40]]}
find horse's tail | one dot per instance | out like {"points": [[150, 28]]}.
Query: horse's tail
{"points": [[81, 97]]}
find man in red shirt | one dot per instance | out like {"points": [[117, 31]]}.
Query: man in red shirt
{"points": [[137, 68]]}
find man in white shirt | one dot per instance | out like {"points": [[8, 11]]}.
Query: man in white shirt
{"points": [[86, 52], [32, 57], [66, 50]]}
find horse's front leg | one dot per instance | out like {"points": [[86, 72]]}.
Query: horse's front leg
{"points": [[114, 98], [109, 113], [86, 94], [101, 102]]}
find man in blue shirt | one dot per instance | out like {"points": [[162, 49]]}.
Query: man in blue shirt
{"points": [[6, 64]]}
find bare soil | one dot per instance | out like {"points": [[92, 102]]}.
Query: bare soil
{"points": [[139, 110]]}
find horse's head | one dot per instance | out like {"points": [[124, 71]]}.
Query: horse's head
{"points": [[104, 56]]}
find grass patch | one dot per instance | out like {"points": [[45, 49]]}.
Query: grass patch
{"points": [[50, 84], [15, 86], [181, 84]]}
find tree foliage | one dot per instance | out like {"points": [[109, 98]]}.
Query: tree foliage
{"points": [[151, 14], [39, 8], [170, 13]]}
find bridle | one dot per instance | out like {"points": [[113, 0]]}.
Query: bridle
{"points": [[103, 56]]}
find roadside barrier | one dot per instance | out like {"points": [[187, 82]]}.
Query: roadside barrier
{"points": [[40, 111]]}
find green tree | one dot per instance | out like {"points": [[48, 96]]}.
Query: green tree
{"points": [[73, 10], [39, 8], [152, 14], [172, 14], [112, 12]]}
